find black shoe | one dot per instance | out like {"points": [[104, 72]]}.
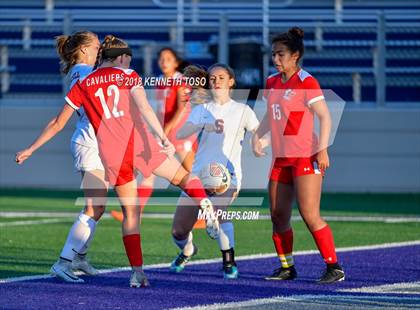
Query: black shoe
{"points": [[283, 274], [178, 264], [332, 274]]}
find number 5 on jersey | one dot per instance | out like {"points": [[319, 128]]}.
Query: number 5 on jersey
{"points": [[100, 94]]}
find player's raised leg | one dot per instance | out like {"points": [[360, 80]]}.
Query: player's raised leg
{"points": [[144, 192], [308, 192], [173, 171]]}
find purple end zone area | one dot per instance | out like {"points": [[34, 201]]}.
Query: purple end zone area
{"points": [[203, 284]]}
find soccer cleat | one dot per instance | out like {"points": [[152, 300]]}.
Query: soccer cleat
{"points": [[230, 271], [63, 270], [283, 274], [138, 279], [332, 274], [117, 215], [212, 223], [81, 263], [178, 264]]}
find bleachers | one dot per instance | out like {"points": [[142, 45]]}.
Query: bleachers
{"points": [[337, 46]]}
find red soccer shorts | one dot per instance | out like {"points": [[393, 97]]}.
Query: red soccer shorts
{"points": [[284, 170]]}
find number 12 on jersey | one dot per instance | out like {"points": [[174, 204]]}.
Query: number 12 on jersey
{"points": [[112, 89]]}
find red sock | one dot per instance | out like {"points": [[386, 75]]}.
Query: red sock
{"points": [[325, 242], [283, 243], [194, 188], [132, 246]]}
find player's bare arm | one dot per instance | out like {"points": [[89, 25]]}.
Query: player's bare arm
{"points": [[189, 129], [149, 115], [320, 108], [53, 127], [257, 147]]}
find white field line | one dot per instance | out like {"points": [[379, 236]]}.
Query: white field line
{"points": [[332, 218], [249, 303], [396, 288], [345, 300], [239, 258], [35, 222], [172, 201]]}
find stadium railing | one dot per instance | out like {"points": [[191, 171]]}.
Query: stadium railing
{"points": [[355, 22]]}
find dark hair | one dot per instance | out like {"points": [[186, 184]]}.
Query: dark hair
{"points": [[293, 39], [110, 41], [68, 47], [182, 64], [228, 69]]}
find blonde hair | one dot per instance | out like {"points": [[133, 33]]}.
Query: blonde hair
{"points": [[68, 48], [196, 72], [110, 41]]}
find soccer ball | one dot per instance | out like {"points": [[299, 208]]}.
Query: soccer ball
{"points": [[215, 178]]}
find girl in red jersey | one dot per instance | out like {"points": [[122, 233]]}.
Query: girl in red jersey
{"points": [[115, 102], [293, 99], [174, 111]]}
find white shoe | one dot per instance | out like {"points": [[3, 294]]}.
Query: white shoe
{"points": [[63, 270], [82, 264], [138, 279], [212, 223]]}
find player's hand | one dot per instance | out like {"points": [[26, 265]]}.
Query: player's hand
{"points": [[22, 156], [209, 127], [323, 160], [257, 146], [168, 147]]}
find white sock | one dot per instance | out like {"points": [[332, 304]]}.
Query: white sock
{"points": [[78, 237], [226, 238], [92, 224], [186, 245]]}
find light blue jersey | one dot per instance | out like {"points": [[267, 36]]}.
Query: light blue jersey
{"points": [[84, 133]]}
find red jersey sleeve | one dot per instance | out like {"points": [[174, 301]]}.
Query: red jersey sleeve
{"points": [[313, 91], [74, 97]]}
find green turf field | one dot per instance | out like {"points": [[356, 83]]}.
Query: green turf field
{"points": [[31, 248]]}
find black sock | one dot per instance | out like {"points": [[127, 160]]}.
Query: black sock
{"points": [[228, 257]]}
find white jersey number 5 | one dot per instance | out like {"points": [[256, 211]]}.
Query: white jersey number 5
{"points": [[111, 89]]}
